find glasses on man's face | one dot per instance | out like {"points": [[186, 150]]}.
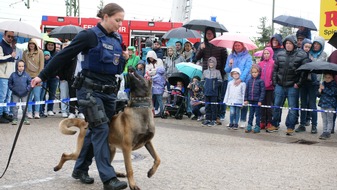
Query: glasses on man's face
{"points": [[9, 36]]}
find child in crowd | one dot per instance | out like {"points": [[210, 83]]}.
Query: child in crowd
{"points": [[176, 91], [267, 67], [140, 68], [328, 102], [158, 86], [196, 97], [212, 81], [255, 92], [19, 84], [306, 45], [234, 97]]}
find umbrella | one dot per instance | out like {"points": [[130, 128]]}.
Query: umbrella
{"points": [[319, 67], [179, 76], [293, 21], [227, 40], [333, 40], [20, 29], [65, 32], [46, 38], [201, 25], [190, 69], [172, 41], [181, 33], [258, 53]]}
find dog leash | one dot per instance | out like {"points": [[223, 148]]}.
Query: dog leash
{"points": [[17, 135]]}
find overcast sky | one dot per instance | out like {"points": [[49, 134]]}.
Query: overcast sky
{"points": [[237, 16]]}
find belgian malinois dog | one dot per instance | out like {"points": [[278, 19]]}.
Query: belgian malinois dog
{"points": [[130, 129]]}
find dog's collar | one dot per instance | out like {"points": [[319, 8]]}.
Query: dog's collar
{"points": [[140, 102]]}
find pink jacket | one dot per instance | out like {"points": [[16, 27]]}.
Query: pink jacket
{"points": [[267, 67]]}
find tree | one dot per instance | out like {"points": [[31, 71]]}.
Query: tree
{"points": [[265, 32], [285, 31]]}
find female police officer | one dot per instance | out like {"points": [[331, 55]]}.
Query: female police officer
{"points": [[103, 58]]}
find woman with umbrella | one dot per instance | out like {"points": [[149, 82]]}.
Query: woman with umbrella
{"points": [[207, 50]]}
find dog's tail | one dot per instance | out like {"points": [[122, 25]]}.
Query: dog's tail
{"points": [[65, 124]]}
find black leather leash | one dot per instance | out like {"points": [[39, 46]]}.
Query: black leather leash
{"points": [[17, 135]]}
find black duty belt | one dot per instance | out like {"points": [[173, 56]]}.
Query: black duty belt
{"points": [[108, 89]]}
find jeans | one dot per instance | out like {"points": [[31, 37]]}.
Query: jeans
{"points": [[211, 109], [308, 100], [3, 93], [244, 111], [52, 84], [8, 100], [222, 106], [254, 110], [292, 95], [34, 97], [64, 94], [159, 101], [234, 114], [196, 110]]}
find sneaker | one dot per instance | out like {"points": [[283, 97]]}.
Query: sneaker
{"points": [[26, 122], [15, 122], [248, 129], [256, 129], [81, 116], [290, 132], [313, 129], [71, 115], [322, 136], [200, 118], [262, 125], [230, 126], [222, 118], [30, 115], [242, 124], [8, 117], [114, 184], [194, 118], [235, 126], [205, 123], [82, 176], [271, 129], [37, 115], [64, 115], [3, 120], [50, 113], [211, 124], [42, 115], [300, 128]]}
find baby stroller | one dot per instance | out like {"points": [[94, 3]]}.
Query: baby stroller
{"points": [[177, 105]]}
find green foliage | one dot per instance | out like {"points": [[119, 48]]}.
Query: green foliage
{"points": [[265, 32], [285, 31]]}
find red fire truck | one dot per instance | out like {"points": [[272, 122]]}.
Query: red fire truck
{"points": [[134, 32]]}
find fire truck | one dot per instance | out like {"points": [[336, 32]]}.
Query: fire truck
{"points": [[134, 32]]}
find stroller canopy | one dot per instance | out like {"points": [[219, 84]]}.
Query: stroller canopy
{"points": [[179, 77]]}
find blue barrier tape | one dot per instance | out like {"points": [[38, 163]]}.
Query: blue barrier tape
{"points": [[216, 103]]}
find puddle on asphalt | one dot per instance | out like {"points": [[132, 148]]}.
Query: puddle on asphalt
{"points": [[306, 142]]}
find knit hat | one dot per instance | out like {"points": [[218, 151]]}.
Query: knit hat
{"points": [[46, 53]]}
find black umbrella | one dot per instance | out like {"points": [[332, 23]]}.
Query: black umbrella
{"points": [[181, 33], [333, 40], [201, 25], [65, 32], [293, 21], [319, 67]]}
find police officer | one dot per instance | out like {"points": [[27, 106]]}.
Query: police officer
{"points": [[96, 84]]}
